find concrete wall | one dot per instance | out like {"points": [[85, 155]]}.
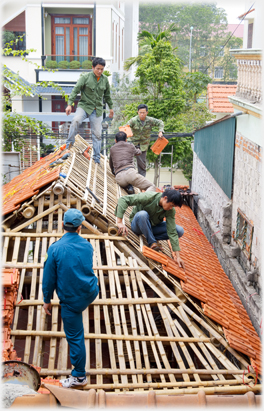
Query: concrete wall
{"points": [[214, 198], [250, 127], [248, 191]]}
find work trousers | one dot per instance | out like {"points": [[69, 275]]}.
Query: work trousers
{"points": [[73, 328], [141, 163], [130, 176], [141, 225], [96, 129]]}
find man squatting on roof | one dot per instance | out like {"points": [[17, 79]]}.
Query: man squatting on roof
{"points": [[121, 162], [93, 86], [147, 218], [68, 269], [141, 126]]}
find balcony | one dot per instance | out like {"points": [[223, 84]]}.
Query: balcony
{"points": [[249, 71], [65, 69], [71, 62]]}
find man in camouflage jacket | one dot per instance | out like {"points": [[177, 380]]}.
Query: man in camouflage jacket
{"points": [[141, 126]]}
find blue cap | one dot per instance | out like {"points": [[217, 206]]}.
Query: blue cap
{"points": [[73, 217]]}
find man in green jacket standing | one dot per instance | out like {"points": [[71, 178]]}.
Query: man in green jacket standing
{"points": [[93, 86], [141, 126], [147, 218]]}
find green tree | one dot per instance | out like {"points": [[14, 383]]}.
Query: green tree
{"points": [[209, 33], [170, 97], [147, 41]]}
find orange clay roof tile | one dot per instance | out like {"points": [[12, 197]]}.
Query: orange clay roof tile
{"points": [[27, 184], [205, 279], [217, 95]]}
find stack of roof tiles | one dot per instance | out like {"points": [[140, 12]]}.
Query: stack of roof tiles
{"points": [[204, 279], [217, 95], [28, 184], [10, 282]]}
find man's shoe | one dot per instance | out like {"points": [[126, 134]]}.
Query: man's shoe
{"points": [[130, 189], [73, 381]]}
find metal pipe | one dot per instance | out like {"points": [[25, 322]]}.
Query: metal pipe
{"points": [[190, 57]]}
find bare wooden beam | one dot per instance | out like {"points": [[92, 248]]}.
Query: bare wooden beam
{"points": [[101, 267], [175, 371], [109, 301], [88, 236], [60, 334]]}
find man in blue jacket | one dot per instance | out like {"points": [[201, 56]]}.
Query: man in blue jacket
{"points": [[68, 269]]}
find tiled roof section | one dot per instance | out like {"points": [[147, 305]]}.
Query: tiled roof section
{"points": [[52, 90], [29, 182], [205, 279], [217, 95]]}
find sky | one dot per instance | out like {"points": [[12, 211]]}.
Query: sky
{"points": [[234, 8]]}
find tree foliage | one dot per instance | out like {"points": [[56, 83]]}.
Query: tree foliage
{"points": [[170, 96], [209, 33], [15, 127]]}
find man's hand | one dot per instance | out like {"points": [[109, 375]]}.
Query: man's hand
{"points": [[177, 259], [122, 229], [47, 308], [111, 113], [160, 134], [68, 110]]}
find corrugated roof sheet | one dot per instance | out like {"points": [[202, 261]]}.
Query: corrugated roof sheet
{"points": [[217, 95], [205, 279]]}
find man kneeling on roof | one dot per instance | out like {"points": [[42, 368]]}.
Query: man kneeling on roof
{"points": [[68, 269], [147, 218], [122, 165]]}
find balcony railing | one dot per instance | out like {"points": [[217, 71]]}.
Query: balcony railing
{"points": [[249, 69], [74, 62]]}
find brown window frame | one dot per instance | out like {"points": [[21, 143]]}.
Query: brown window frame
{"points": [[71, 25]]}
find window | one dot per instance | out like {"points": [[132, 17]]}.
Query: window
{"points": [[244, 233], [219, 73], [14, 29], [71, 37]]}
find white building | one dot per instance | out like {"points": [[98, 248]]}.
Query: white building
{"points": [[69, 32]]}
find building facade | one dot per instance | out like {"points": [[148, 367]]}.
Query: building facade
{"points": [[66, 36]]}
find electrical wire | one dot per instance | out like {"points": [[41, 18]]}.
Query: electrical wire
{"points": [[222, 47]]}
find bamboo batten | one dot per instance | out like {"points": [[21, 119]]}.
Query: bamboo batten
{"points": [[142, 333]]}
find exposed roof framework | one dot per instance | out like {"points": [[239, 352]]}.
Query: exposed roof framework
{"points": [[153, 326]]}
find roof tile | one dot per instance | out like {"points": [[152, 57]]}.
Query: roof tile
{"points": [[205, 279], [29, 182], [217, 95]]}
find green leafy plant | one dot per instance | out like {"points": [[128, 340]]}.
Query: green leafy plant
{"points": [[75, 64], [107, 73], [51, 64], [87, 64], [8, 37], [63, 64]]}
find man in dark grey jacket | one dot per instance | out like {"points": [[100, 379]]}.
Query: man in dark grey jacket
{"points": [[122, 165]]}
